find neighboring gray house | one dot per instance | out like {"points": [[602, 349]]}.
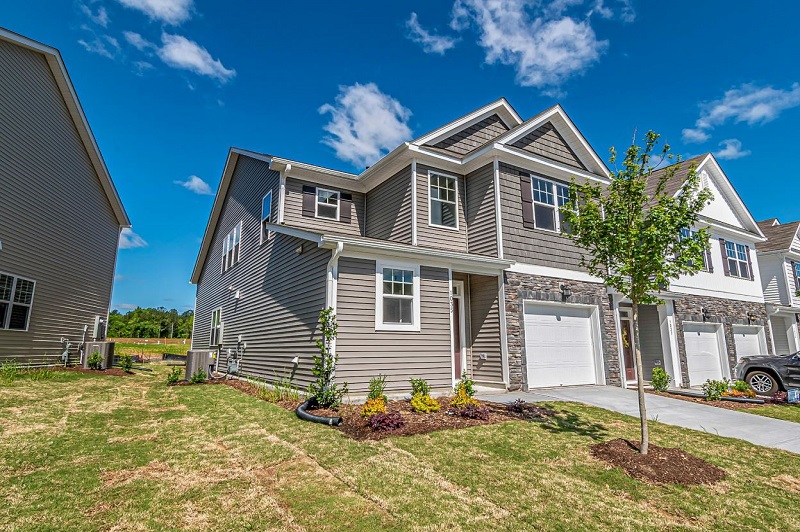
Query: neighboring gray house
{"points": [[60, 215], [779, 258]]}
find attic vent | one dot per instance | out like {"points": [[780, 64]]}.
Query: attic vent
{"points": [[704, 180]]}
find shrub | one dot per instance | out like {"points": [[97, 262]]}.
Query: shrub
{"points": [[373, 407], [126, 363], [779, 397], [376, 386], [282, 389], [174, 375], [9, 371], [466, 385], [420, 387], [713, 390], [385, 422], [462, 399], [199, 377], [324, 389], [424, 404], [660, 380], [471, 411], [95, 360], [741, 386]]}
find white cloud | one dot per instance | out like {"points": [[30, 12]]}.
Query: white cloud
{"points": [[431, 44], [128, 239], [137, 41], [196, 185], [167, 11], [731, 149], [179, 52], [100, 17], [125, 306], [545, 46], [747, 103], [365, 123], [626, 12], [104, 45], [140, 67]]}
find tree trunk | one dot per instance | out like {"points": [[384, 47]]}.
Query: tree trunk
{"points": [[640, 380]]}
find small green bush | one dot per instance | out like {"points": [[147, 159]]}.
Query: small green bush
{"points": [[713, 390], [424, 404], [465, 384], [373, 407], [95, 360], [199, 377], [462, 399], [126, 363], [281, 390], [660, 380], [420, 387], [376, 386], [174, 375], [741, 386], [9, 371]]}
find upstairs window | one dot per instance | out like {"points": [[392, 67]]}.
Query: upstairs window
{"points": [[443, 205], [16, 300], [231, 248], [690, 233], [796, 271], [738, 265], [216, 328], [548, 198], [327, 204], [266, 216]]}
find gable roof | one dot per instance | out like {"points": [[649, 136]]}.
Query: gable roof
{"points": [[780, 237], [499, 107], [67, 90]]}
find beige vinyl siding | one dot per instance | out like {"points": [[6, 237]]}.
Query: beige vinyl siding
{"points": [[530, 246], [282, 291], [473, 137], [485, 329], [481, 220], [293, 210], [545, 141], [389, 208], [365, 352], [439, 237], [56, 224]]}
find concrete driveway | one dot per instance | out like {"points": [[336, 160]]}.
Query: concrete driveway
{"points": [[756, 429]]}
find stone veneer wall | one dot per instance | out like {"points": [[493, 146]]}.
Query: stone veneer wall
{"points": [[519, 287], [729, 312]]}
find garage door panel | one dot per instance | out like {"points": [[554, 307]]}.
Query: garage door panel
{"points": [[748, 340], [702, 352]]}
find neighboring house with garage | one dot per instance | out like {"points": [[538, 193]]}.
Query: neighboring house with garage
{"points": [[708, 319], [779, 259], [60, 215]]}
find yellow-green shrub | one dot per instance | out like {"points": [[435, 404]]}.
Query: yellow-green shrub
{"points": [[424, 404], [462, 399], [373, 406]]}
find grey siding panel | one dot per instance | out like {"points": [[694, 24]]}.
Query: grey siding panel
{"points": [[473, 137], [481, 221], [365, 352], [650, 332], [389, 208], [437, 237], [56, 224], [485, 328], [547, 142], [531, 246], [293, 211], [282, 291]]}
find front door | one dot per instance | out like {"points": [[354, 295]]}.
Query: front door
{"points": [[459, 357], [627, 350]]}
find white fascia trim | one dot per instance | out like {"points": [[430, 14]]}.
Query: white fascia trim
{"points": [[556, 273], [472, 118], [399, 327], [436, 155], [731, 191], [552, 164], [414, 202], [297, 164], [725, 230], [782, 310], [498, 214]]}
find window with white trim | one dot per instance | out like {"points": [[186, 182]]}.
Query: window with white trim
{"points": [[327, 205], [443, 206], [216, 328], [737, 260], [797, 275], [266, 216], [16, 301], [548, 198], [231, 248], [691, 233], [397, 297]]}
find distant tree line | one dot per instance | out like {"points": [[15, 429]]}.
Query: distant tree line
{"points": [[150, 323]]}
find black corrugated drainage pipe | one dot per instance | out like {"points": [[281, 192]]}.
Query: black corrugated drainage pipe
{"points": [[312, 401]]}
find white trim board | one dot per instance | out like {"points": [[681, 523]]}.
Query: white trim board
{"points": [[556, 273]]}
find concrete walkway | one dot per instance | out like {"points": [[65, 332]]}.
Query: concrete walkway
{"points": [[756, 429]]}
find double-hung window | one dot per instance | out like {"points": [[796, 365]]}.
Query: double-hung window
{"points": [[397, 301], [231, 248], [327, 205], [737, 260], [16, 300], [690, 233], [443, 207], [266, 216], [548, 198], [216, 328], [796, 272]]}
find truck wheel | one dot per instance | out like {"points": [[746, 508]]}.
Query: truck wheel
{"points": [[762, 383]]}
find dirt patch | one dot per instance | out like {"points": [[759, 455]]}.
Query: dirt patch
{"points": [[786, 482], [661, 465]]}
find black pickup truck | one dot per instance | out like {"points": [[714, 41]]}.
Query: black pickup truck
{"points": [[769, 374]]}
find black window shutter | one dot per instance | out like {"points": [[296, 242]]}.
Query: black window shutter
{"points": [[725, 266], [750, 264], [709, 263], [345, 207], [309, 200], [526, 193]]}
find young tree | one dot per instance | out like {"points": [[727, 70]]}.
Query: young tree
{"points": [[632, 232]]}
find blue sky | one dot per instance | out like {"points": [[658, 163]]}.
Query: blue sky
{"points": [[169, 85]]}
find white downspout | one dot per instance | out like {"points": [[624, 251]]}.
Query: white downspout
{"points": [[332, 277], [498, 216], [282, 193], [413, 202]]}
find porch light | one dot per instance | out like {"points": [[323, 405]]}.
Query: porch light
{"points": [[566, 291], [706, 314], [750, 318]]}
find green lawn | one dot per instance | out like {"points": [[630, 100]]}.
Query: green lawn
{"points": [[785, 412], [153, 349], [84, 452]]}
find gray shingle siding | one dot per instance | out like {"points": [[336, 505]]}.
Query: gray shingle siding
{"points": [[437, 237], [389, 208], [547, 142], [473, 137], [56, 224], [293, 210], [481, 220]]}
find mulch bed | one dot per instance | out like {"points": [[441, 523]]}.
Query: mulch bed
{"points": [[730, 405], [114, 372], [661, 465]]}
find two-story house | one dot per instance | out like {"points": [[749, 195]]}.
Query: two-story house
{"points": [[710, 318], [779, 259], [444, 256]]}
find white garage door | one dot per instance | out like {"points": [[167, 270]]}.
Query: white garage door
{"points": [[702, 352], [748, 340], [559, 350]]}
